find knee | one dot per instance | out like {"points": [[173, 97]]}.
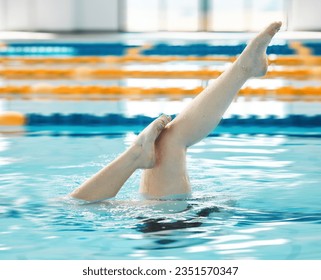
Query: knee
{"points": [[169, 139]]}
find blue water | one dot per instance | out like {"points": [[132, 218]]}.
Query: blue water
{"points": [[254, 197]]}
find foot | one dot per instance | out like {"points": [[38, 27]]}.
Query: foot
{"points": [[144, 146], [253, 59]]}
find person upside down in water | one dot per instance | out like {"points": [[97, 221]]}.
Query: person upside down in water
{"points": [[160, 149]]}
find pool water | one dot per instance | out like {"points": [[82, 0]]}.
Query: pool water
{"points": [[255, 196]]}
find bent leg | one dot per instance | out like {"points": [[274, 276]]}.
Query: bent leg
{"points": [[168, 177], [108, 181], [201, 116]]}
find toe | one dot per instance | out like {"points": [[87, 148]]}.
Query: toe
{"points": [[162, 121], [274, 28], [265, 36]]}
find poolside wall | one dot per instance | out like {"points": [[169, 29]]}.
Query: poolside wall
{"points": [[31, 15]]}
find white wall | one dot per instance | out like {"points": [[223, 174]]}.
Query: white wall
{"points": [[18, 15], [305, 15], [53, 15], [97, 15], [2, 15], [71, 15], [59, 15]]}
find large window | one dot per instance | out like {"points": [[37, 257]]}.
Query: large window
{"points": [[202, 15], [182, 15], [158, 15], [228, 15], [265, 11], [142, 15]]}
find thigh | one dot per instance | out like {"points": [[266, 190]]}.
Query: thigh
{"points": [[169, 176]]}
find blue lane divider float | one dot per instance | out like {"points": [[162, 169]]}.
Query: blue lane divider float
{"points": [[315, 47], [121, 120], [65, 49], [119, 49], [205, 49]]}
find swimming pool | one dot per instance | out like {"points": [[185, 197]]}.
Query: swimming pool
{"points": [[255, 179], [256, 195]]}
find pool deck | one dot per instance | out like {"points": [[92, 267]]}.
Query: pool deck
{"points": [[151, 37]]}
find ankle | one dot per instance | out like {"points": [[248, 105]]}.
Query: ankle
{"points": [[142, 157], [252, 64], [244, 69], [135, 151]]}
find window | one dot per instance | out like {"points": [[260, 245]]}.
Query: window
{"points": [[265, 11], [182, 15], [142, 15], [244, 15], [162, 15], [228, 15]]}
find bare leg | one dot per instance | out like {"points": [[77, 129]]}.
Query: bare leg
{"points": [[108, 181], [203, 114]]}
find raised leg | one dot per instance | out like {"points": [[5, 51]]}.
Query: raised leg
{"points": [[200, 117], [108, 181]]}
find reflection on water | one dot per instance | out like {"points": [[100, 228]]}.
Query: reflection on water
{"points": [[253, 197]]}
